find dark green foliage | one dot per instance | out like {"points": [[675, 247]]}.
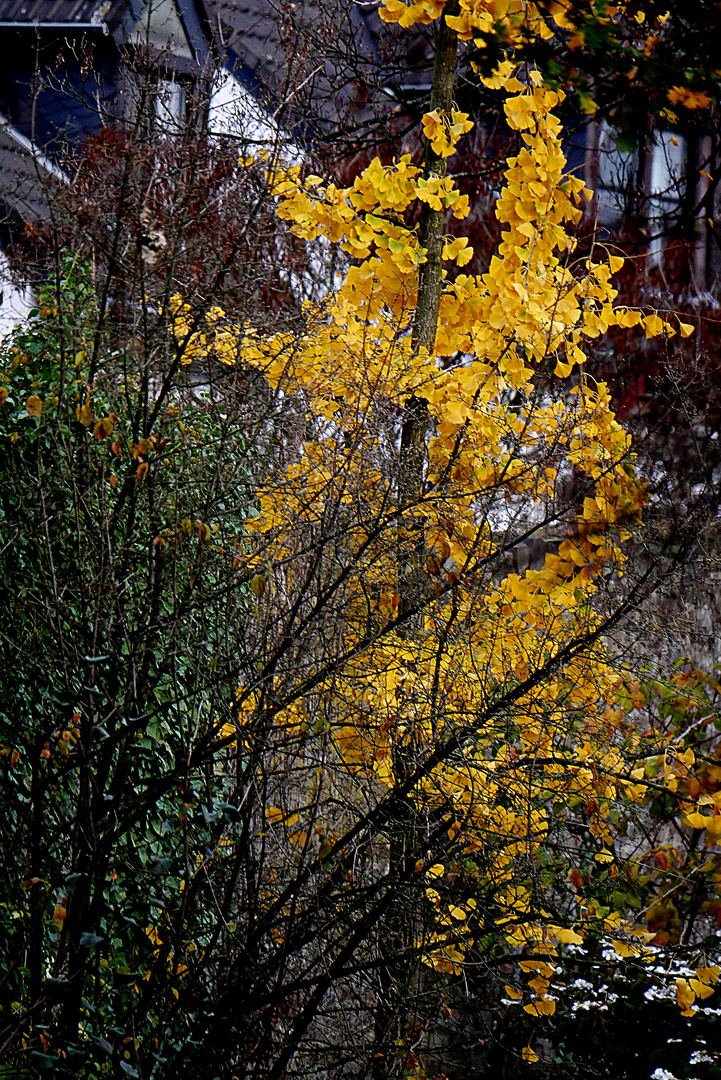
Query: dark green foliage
{"points": [[121, 600]]}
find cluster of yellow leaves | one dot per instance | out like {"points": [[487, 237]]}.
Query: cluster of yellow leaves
{"points": [[688, 99], [448, 942], [531, 304], [84, 412], [367, 217], [444, 131], [687, 990], [514, 20], [406, 15], [495, 447], [209, 337], [475, 18], [527, 306]]}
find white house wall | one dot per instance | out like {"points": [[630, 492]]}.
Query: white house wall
{"points": [[236, 113], [15, 303]]}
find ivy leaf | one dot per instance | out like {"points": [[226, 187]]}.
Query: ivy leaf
{"points": [[161, 866]]}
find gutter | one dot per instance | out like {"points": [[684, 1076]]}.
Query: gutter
{"points": [[36, 24]]}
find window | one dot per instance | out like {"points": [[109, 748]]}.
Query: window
{"points": [[170, 106], [619, 176], [666, 189]]}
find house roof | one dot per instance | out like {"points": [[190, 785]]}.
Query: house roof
{"points": [[295, 52], [289, 54], [248, 36], [265, 42], [121, 18], [52, 12], [24, 172]]}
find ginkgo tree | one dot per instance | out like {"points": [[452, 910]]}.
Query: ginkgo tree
{"points": [[391, 750], [460, 702]]}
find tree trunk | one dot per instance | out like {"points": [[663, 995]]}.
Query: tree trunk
{"points": [[395, 975], [430, 281]]}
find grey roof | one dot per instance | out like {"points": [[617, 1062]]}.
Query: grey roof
{"points": [[307, 53], [261, 39], [25, 173], [248, 32], [59, 11], [119, 17]]}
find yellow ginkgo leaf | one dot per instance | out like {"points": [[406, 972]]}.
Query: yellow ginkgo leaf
{"points": [[498, 79], [566, 936], [623, 949], [700, 989], [627, 317], [654, 325], [542, 1007], [458, 249], [434, 130], [685, 996]]}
